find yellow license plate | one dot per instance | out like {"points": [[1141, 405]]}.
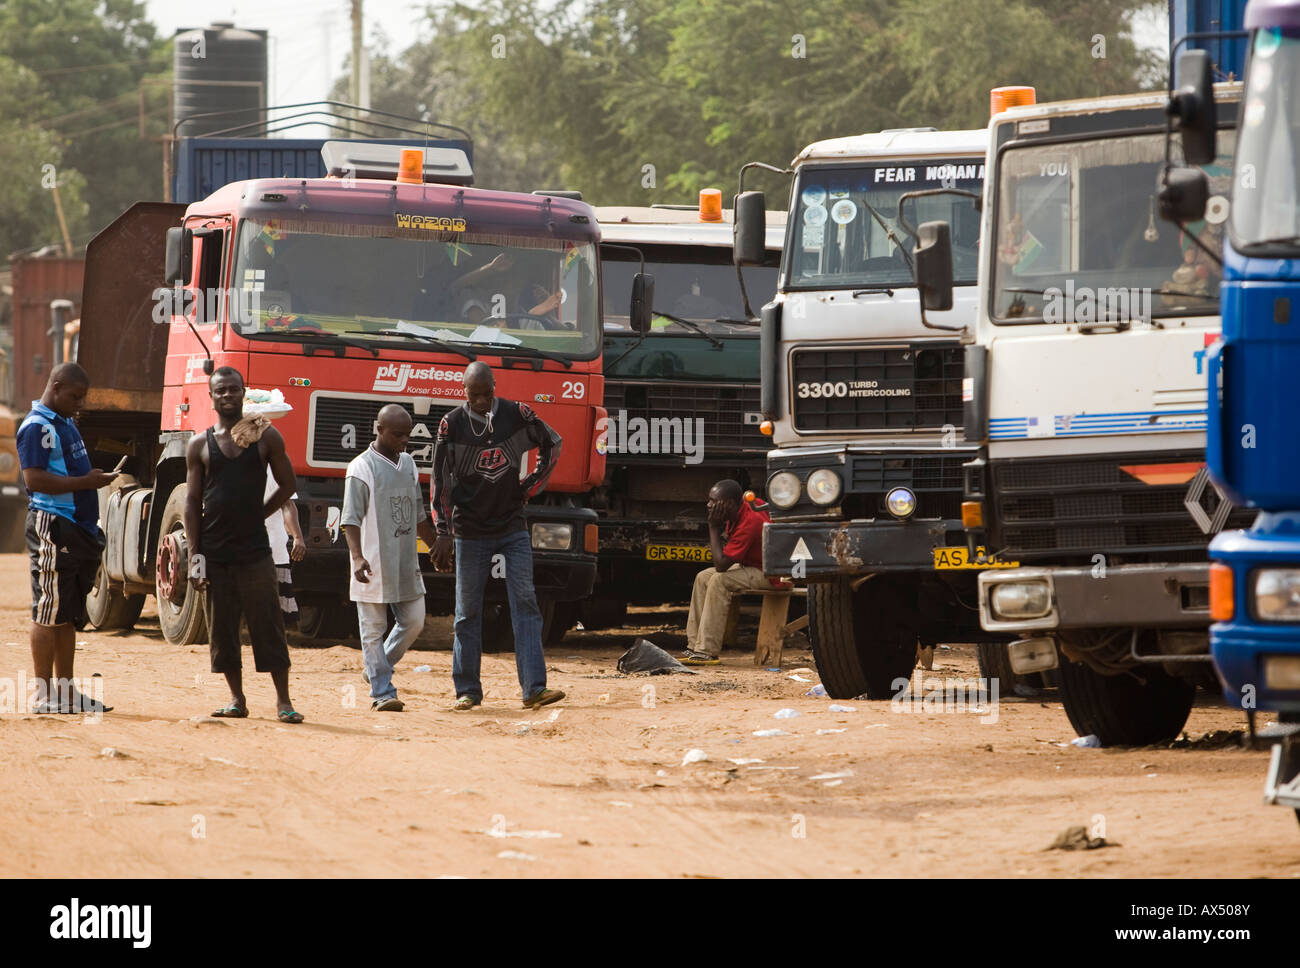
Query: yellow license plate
{"points": [[663, 552], [951, 558]]}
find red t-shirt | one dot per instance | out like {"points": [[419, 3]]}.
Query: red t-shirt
{"points": [[744, 539]]}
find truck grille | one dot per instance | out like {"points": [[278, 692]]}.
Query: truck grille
{"points": [[897, 388], [1088, 506], [730, 414], [334, 444]]}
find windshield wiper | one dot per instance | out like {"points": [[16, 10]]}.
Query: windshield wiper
{"points": [[512, 349], [689, 325], [306, 338], [907, 256], [431, 340], [728, 321]]}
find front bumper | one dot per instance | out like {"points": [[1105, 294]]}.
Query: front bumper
{"points": [[1240, 649], [558, 575], [1097, 596], [828, 549]]}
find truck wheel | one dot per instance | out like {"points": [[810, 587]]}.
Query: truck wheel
{"points": [[996, 664], [1124, 710], [110, 609], [565, 618], [180, 607], [327, 620], [602, 613], [862, 642], [499, 631], [13, 531]]}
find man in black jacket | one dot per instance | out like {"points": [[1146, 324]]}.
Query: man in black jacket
{"points": [[478, 503]]}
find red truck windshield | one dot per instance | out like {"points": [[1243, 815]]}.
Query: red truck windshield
{"points": [[397, 284]]}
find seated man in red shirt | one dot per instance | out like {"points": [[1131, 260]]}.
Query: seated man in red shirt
{"points": [[736, 540]]}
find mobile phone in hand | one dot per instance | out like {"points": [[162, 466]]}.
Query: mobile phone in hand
{"points": [[120, 465]]}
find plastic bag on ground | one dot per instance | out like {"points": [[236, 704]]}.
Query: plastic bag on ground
{"points": [[646, 657]]}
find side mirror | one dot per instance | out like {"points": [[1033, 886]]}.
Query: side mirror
{"points": [[1184, 195], [749, 234], [643, 300], [933, 259], [1193, 105], [176, 268]]}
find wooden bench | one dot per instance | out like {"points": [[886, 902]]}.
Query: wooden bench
{"points": [[772, 624]]}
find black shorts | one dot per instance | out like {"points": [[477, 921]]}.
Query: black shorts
{"points": [[65, 559], [246, 590]]}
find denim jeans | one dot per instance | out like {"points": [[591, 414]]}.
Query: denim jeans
{"points": [[473, 567], [380, 654]]}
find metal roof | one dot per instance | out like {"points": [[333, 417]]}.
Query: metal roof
{"points": [[894, 144], [634, 223]]}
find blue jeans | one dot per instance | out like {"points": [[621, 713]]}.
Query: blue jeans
{"points": [[380, 654], [473, 567]]}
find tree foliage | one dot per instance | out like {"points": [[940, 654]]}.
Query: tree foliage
{"points": [[70, 79], [639, 101]]}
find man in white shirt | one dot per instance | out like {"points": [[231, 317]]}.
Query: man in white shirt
{"points": [[280, 527], [382, 513]]}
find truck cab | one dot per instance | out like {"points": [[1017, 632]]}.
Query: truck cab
{"points": [[682, 397], [862, 400], [376, 284], [1251, 440], [1087, 394]]}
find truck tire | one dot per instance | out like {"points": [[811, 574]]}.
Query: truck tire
{"points": [[499, 631], [327, 620], [602, 613], [107, 608], [862, 641], [1124, 710], [565, 618], [182, 620], [996, 664], [13, 530]]}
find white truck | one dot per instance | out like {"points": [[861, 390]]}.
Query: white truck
{"points": [[862, 397], [1086, 391]]}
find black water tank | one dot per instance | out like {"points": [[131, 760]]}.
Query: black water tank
{"points": [[218, 68]]}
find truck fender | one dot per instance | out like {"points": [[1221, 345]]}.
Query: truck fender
{"points": [[169, 473]]}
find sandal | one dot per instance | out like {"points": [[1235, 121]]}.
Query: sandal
{"points": [[692, 658], [289, 716], [464, 703], [232, 711]]}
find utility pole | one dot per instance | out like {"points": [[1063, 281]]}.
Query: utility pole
{"points": [[356, 51]]}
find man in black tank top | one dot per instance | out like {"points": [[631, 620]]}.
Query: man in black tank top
{"points": [[230, 556]]}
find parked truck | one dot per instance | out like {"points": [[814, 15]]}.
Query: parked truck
{"points": [[1086, 392], [862, 400], [345, 293], [682, 396], [1251, 441]]}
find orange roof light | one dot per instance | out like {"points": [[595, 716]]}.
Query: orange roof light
{"points": [[411, 169], [710, 205], [1001, 98], [1221, 604]]}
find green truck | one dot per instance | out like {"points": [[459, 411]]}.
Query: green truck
{"points": [[682, 398]]}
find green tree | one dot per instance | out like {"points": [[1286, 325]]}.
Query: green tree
{"points": [[90, 58]]}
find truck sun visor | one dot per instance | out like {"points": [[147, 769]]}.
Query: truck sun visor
{"points": [[351, 159]]}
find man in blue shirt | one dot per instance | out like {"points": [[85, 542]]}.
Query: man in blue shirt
{"points": [[63, 536]]}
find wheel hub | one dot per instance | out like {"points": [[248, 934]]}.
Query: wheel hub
{"points": [[173, 567]]}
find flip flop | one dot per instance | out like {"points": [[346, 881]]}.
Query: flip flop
{"points": [[464, 703], [289, 716], [230, 712]]}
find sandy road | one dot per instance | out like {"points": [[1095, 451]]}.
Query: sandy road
{"points": [[595, 785]]}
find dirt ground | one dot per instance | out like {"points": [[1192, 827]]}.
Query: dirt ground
{"points": [[596, 784]]}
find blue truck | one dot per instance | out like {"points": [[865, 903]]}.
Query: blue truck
{"points": [[236, 149], [1252, 446]]}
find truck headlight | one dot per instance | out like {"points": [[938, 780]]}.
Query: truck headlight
{"points": [[1277, 594], [1021, 599], [824, 486], [552, 537], [901, 502], [783, 489], [1282, 671]]}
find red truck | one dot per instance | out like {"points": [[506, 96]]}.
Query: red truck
{"points": [[376, 284]]}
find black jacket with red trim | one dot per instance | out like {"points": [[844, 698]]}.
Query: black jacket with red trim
{"points": [[475, 487]]}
